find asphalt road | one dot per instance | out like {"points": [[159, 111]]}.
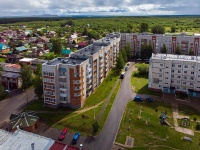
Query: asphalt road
{"points": [[16, 103], [106, 138]]}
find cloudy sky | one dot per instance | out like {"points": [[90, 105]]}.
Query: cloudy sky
{"points": [[99, 7]]}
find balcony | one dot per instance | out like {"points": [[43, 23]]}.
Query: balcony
{"points": [[89, 69], [89, 75], [89, 81], [63, 94]]}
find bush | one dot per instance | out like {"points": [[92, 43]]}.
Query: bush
{"points": [[143, 69], [198, 126], [95, 126], [195, 119]]}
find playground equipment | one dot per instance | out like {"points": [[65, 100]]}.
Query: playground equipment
{"points": [[163, 119]]}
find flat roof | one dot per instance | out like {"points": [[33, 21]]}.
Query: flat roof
{"points": [[159, 56], [22, 140]]}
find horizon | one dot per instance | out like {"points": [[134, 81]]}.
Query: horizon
{"points": [[99, 8]]}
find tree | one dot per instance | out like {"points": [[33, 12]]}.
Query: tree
{"points": [[163, 49], [158, 29], [85, 31], [142, 51], [191, 52], [95, 126], [143, 69], [38, 71], [178, 50], [120, 62], [149, 50], [173, 29], [38, 86], [144, 27], [26, 75], [124, 55], [128, 50], [57, 45]]}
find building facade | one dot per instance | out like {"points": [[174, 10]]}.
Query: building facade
{"points": [[68, 81], [175, 73], [157, 40]]}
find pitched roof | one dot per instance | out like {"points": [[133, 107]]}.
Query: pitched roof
{"points": [[22, 48], [66, 51], [24, 119]]}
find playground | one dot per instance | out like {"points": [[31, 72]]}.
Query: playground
{"points": [[151, 125]]}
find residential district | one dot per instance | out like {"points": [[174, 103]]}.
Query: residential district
{"points": [[70, 79]]}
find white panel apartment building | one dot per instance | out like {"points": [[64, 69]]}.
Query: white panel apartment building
{"points": [[68, 81], [177, 72], [157, 41]]}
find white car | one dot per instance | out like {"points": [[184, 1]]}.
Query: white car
{"points": [[138, 59]]}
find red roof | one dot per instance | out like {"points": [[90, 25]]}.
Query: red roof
{"points": [[82, 44], [58, 146]]}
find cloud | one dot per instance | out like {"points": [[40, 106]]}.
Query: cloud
{"points": [[114, 7]]}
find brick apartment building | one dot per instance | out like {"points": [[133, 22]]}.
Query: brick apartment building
{"points": [[67, 82], [175, 73], [157, 40]]}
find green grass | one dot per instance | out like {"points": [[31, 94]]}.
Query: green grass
{"points": [[2, 59], [103, 90], [140, 82], [153, 135]]}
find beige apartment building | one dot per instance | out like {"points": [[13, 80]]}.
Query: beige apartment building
{"points": [[157, 40], [68, 81], [175, 73]]}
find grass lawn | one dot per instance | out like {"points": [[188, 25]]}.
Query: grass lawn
{"points": [[154, 135], [2, 59], [103, 90]]}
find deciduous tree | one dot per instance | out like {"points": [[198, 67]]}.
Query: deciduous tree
{"points": [[144, 27], [178, 50], [163, 49], [158, 29], [26, 75], [57, 45]]}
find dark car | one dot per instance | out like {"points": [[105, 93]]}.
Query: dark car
{"points": [[63, 134], [149, 99], [138, 98], [7, 91], [126, 68], [76, 137]]}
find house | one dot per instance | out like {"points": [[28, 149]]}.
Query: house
{"points": [[13, 58], [21, 49], [73, 38], [43, 39], [27, 121], [23, 140], [27, 61], [4, 48], [82, 44], [51, 34], [66, 52], [11, 76], [2, 40]]}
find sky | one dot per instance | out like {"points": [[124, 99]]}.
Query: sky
{"points": [[99, 7]]}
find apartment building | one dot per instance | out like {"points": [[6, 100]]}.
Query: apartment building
{"points": [[175, 73], [157, 40], [68, 81]]}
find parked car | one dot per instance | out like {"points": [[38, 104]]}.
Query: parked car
{"points": [[128, 64], [76, 137], [126, 68], [63, 134], [122, 75], [7, 91], [138, 98], [138, 59], [149, 99]]}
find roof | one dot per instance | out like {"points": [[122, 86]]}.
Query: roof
{"points": [[22, 48], [82, 44], [58, 146], [3, 46], [66, 51], [22, 140], [73, 36], [24, 119], [10, 75], [26, 59]]}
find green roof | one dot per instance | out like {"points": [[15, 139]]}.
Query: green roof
{"points": [[66, 51]]}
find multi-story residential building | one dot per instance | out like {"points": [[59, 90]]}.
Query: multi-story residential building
{"points": [[68, 81], [157, 40], [172, 73]]}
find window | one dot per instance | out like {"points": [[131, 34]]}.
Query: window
{"points": [[179, 77], [192, 72], [173, 65], [63, 98], [179, 71], [167, 72], [185, 71], [62, 92], [186, 66], [161, 65], [160, 70], [191, 83], [192, 67], [184, 83], [173, 71], [166, 83], [160, 75], [177, 87], [166, 78], [185, 77], [172, 76], [167, 67], [178, 81], [179, 66], [172, 81], [191, 78]]}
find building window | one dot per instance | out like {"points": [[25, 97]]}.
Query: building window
{"points": [[160, 70], [172, 76], [160, 75], [179, 77], [185, 77], [178, 81], [166, 78], [191, 78], [192, 72], [185, 71], [173, 65], [167, 72], [192, 67], [179, 71], [173, 71], [172, 81], [191, 83], [167, 67], [184, 83], [186, 66], [179, 66], [161, 65]]}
